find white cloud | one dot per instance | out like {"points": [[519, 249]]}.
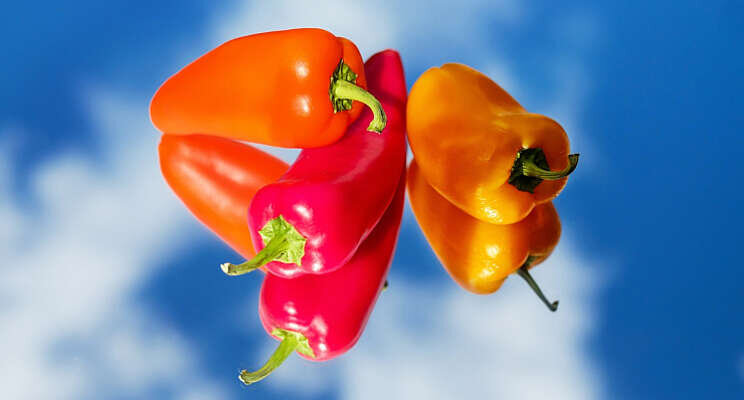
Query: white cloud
{"points": [[343, 20], [69, 327], [506, 345], [374, 26]]}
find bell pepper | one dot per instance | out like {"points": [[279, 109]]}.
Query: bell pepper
{"points": [[216, 179], [479, 255], [292, 88], [323, 316], [312, 220], [482, 150]]}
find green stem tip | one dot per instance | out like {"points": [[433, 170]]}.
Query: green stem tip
{"points": [[531, 168], [282, 243], [290, 342], [343, 90], [524, 273]]}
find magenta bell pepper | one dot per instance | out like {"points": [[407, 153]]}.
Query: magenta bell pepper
{"points": [[313, 219], [323, 316]]}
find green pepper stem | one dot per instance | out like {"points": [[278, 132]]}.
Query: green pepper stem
{"points": [[529, 168], [346, 90], [283, 243], [291, 341], [276, 246], [528, 278]]}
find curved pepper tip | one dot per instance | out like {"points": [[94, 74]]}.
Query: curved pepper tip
{"points": [[290, 341], [378, 123], [525, 274], [243, 377], [225, 267]]}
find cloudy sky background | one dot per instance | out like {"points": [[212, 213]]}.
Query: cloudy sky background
{"points": [[109, 289]]}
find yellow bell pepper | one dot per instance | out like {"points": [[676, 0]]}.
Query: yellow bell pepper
{"points": [[482, 150]]}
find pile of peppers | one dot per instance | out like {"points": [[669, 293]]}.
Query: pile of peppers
{"points": [[480, 184]]}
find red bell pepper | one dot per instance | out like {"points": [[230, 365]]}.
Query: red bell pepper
{"points": [[216, 179], [314, 218], [323, 316], [290, 88]]}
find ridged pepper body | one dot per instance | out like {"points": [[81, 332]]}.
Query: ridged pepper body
{"points": [[331, 310], [466, 133], [216, 179], [335, 195], [270, 88], [479, 255]]}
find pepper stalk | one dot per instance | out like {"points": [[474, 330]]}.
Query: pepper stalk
{"points": [[530, 168], [290, 342], [343, 90], [525, 274]]}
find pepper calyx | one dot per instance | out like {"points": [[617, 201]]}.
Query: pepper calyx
{"points": [[343, 90], [531, 167], [343, 72], [282, 243], [294, 243], [303, 345]]}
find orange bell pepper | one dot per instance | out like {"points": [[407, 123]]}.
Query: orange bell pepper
{"points": [[290, 88], [216, 179], [478, 255], [480, 149]]}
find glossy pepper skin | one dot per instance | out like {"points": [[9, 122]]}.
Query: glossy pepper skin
{"points": [[478, 255], [323, 316], [290, 88], [216, 179], [312, 220], [481, 149]]}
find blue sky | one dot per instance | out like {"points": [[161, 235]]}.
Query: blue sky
{"points": [[111, 285]]}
